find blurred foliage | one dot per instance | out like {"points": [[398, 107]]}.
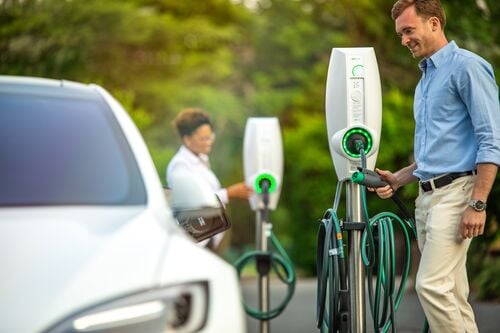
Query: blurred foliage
{"points": [[487, 281], [242, 58]]}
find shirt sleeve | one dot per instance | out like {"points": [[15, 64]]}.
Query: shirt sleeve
{"points": [[479, 92], [222, 194], [173, 168]]}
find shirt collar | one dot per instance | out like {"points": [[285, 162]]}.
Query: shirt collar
{"points": [[439, 57], [192, 157]]}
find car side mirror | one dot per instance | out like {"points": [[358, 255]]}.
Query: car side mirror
{"points": [[196, 207]]}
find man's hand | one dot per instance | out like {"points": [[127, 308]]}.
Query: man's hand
{"points": [[472, 223], [386, 191]]}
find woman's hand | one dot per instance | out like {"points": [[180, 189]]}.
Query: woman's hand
{"points": [[239, 191]]}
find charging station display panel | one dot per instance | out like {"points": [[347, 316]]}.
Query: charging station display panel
{"points": [[353, 108], [357, 101]]}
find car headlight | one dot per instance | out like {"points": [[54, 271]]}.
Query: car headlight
{"points": [[179, 308]]}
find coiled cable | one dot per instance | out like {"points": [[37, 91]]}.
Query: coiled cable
{"points": [[282, 266], [378, 256]]}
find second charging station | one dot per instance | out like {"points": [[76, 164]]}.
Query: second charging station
{"points": [[263, 167]]}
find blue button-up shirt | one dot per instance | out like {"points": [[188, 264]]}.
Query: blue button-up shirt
{"points": [[457, 113]]}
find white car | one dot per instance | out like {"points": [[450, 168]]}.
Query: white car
{"points": [[87, 240]]}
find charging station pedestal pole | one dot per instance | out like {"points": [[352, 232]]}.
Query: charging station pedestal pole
{"points": [[263, 167], [262, 231], [356, 270], [354, 118]]}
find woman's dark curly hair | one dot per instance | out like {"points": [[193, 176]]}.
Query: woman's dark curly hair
{"points": [[188, 120]]}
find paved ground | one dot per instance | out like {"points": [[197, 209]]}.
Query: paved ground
{"points": [[299, 316]]}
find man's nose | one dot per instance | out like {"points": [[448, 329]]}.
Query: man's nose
{"points": [[405, 40]]}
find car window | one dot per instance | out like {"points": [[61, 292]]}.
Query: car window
{"points": [[64, 151]]}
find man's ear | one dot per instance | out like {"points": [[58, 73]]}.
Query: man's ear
{"points": [[435, 24]]}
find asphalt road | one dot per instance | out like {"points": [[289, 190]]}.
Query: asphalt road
{"points": [[300, 315]]}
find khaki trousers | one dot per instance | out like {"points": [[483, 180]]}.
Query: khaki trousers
{"points": [[441, 283]]}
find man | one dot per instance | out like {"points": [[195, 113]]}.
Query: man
{"points": [[457, 153]]}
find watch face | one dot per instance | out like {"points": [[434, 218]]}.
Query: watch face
{"points": [[478, 205]]}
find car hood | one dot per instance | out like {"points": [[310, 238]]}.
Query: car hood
{"points": [[57, 261]]}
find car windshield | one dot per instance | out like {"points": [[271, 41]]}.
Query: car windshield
{"points": [[57, 150]]}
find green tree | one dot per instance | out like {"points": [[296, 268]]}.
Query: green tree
{"points": [[159, 56]]}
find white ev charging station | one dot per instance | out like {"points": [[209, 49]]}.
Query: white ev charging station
{"points": [[354, 116], [263, 159], [263, 168], [353, 108]]}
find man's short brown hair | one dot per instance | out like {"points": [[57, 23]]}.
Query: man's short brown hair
{"points": [[188, 120], [424, 8]]}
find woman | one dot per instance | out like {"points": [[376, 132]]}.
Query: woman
{"points": [[196, 132]]}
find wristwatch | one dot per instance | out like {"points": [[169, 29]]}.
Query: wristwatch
{"points": [[477, 205]]}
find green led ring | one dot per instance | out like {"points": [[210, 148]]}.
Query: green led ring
{"points": [[354, 69], [263, 176], [361, 131]]}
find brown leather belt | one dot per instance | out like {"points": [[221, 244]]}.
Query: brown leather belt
{"points": [[443, 180]]}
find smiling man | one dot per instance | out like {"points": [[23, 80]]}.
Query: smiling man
{"points": [[457, 153]]}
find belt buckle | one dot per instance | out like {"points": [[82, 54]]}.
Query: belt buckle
{"points": [[427, 185]]}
